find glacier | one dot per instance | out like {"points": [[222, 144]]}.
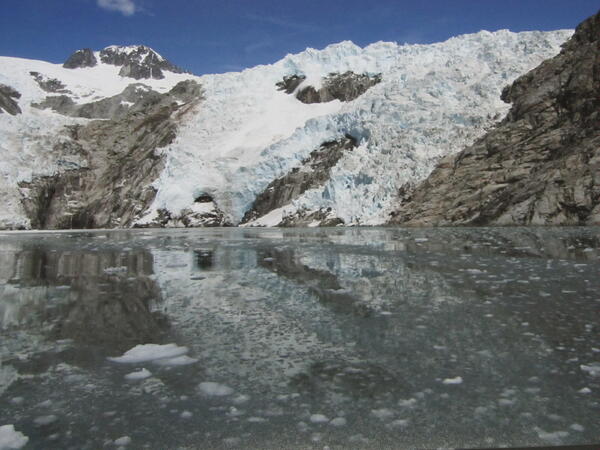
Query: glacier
{"points": [[433, 100]]}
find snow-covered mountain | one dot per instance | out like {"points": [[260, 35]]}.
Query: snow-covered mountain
{"points": [[118, 138]]}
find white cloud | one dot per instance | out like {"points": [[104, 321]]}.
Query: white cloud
{"points": [[125, 7]]}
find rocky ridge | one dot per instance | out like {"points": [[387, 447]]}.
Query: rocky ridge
{"points": [[7, 100], [111, 184], [137, 61], [345, 87], [313, 172], [540, 165]]}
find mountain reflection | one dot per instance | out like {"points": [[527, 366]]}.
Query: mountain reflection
{"points": [[94, 297]]}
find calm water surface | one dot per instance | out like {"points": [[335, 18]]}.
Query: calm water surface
{"points": [[301, 338]]}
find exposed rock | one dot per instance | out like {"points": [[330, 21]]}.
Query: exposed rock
{"points": [[323, 217], [344, 87], [314, 172], [199, 215], [7, 102], [81, 58], [49, 84], [541, 165], [134, 98], [112, 187], [137, 62]]}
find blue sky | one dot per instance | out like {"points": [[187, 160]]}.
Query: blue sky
{"points": [[211, 36]]}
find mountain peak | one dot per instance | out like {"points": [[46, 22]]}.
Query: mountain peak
{"points": [[136, 61]]}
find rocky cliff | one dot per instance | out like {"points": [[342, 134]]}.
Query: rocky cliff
{"points": [[540, 165], [119, 160]]}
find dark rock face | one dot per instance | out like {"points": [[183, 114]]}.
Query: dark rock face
{"points": [[7, 102], [344, 87], [114, 187], [304, 218], [314, 172], [139, 63], [81, 58], [49, 84], [190, 218], [135, 98], [541, 165]]}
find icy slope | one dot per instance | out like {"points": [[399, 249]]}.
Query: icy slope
{"points": [[28, 140], [434, 99]]}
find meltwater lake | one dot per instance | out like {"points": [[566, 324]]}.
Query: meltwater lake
{"points": [[301, 338]]}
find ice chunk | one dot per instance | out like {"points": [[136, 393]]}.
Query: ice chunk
{"points": [[455, 380], [11, 439], [213, 389], [123, 441], [585, 390], [383, 413], [338, 422], [45, 420], [593, 369], [319, 418], [139, 375], [182, 360], [150, 352], [186, 415]]}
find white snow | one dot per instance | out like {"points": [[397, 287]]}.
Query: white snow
{"points": [[139, 375], [213, 389], [150, 352], [433, 100], [11, 439]]}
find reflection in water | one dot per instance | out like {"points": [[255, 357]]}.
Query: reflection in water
{"points": [[99, 297], [351, 338]]}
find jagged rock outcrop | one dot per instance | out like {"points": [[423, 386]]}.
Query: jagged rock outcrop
{"points": [[49, 84], [323, 217], [136, 97], [137, 62], [7, 100], [314, 172], [113, 185], [540, 165], [81, 58], [344, 87]]}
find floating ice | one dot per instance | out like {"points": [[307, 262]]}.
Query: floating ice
{"points": [[338, 422], [383, 413], [150, 352], [239, 399], [122, 441], [45, 420], [593, 369], [585, 390], [255, 419], [183, 360], [455, 380], [186, 415], [318, 418], [213, 389], [11, 439], [139, 375]]}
